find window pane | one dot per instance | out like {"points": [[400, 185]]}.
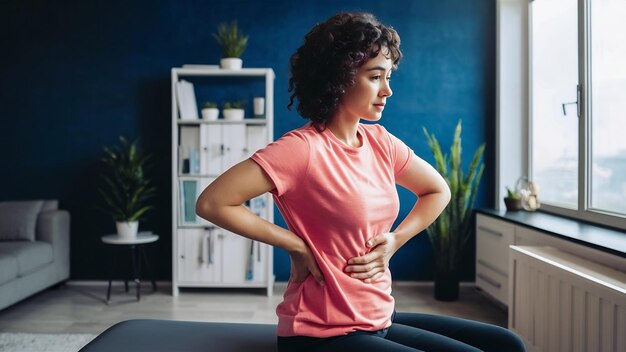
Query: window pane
{"points": [[554, 78], [608, 105]]}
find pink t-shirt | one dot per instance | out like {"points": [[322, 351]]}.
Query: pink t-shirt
{"points": [[335, 197]]}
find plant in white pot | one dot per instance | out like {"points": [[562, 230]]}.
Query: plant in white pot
{"points": [[232, 43], [210, 111], [234, 111], [125, 189]]}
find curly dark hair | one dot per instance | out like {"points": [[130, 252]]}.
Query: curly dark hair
{"points": [[326, 64]]}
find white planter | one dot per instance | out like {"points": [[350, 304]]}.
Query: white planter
{"points": [[127, 229], [210, 114], [231, 63], [233, 114]]}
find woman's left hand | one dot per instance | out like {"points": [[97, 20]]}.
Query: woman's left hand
{"points": [[372, 265]]}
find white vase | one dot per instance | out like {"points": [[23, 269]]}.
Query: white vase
{"points": [[127, 229], [259, 106], [210, 114], [233, 114], [231, 63]]}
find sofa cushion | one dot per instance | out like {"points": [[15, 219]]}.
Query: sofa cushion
{"points": [[30, 256], [49, 205], [18, 219], [8, 267]]}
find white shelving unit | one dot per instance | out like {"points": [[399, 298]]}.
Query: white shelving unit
{"points": [[204, 255]]}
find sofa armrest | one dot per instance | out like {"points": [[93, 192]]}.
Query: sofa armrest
{"points": [[54, 227]]}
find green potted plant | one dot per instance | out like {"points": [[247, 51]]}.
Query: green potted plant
{"points": [[234, 110], [513, 200], [210, 111], [451, 230], [125, 189], [233, 43]]}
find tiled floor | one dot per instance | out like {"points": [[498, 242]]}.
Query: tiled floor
{"points": [[81, 308]]}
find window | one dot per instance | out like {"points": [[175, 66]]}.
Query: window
{"points": [[578, 107], [608, 106]]}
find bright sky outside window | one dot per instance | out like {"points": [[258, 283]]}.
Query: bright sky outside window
{"points": [[554, 80], [608, 106]]}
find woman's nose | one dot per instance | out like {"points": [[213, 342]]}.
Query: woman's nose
{"points": [[386, 90]]}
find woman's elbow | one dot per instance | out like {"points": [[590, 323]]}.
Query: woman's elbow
{"points": [[204, 207], [445, 193]]}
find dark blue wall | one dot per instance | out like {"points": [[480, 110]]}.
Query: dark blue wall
{"points": [[76, 74]]}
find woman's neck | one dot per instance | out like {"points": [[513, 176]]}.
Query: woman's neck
{"points": [[346, 130]]}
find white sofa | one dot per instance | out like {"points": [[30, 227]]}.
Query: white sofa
{"points": [[34, 248]]}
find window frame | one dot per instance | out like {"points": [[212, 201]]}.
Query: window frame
{"points": [[584, 211]]}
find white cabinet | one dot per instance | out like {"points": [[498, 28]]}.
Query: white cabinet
{"points": [[493, 238], [218, 257], [493, 254], [205, 255]]}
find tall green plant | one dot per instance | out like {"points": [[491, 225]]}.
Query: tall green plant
{"points": [[450, 232], [231, 40], [124, 188]]}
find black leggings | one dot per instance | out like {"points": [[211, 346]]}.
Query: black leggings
{"points": [[414, 332]]}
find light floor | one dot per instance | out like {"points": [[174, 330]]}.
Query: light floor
{"points": [[77, 307]]}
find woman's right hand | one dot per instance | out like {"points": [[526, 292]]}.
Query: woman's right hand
{"points": [[302, 264]]}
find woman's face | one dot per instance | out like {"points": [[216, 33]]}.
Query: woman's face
{"points": [[367, 98]]}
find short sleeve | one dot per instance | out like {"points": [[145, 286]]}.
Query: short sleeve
{"points": [[285, 161], [401, 155]]}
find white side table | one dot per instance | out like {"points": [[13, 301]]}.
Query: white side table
{"points": [[136, 251]]}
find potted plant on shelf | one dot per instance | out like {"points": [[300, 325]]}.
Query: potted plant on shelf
{"points": [[513, 200], [234, 111], [232, 43], [210, 111], [451, 230], [125, 189]]}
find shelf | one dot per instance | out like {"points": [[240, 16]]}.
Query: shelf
{"points": [[217, 145], [194, 176], [196, 226], [245, 121], [242, 284], [244, 72]]}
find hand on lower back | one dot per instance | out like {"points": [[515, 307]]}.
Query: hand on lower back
{"points": [[302, 264]]}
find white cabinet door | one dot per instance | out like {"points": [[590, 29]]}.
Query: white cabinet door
{"points": [[496, 284], [257, 139], [234, 139], [212, 149], [235, 255], [260, 262], [222, 146], [199, 256], [493, 238]]}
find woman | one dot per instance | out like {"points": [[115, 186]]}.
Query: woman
{"points": [[334, 181]]}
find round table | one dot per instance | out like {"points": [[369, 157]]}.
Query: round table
{"points": [[136, 251]]}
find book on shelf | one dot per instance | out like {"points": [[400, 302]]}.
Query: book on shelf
{"points": [[189, 150], [188, 201], [188, 192], [186, 98], [194, 160], [188, 197], [250, 264], [189, 162]]}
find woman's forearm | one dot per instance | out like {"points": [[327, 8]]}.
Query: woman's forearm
{"points": [[240, 220]]}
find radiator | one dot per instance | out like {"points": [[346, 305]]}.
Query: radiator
{"points": [[562, 302]]}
